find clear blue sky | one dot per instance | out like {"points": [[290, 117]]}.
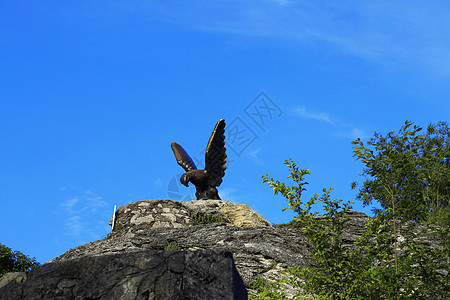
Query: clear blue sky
{"points": [[92, 93]]}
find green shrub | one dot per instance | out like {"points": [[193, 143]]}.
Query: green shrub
{"points": [[203, 218], [379, 266], [15, 261], [118, 227], [173, 246], [408, 171]]}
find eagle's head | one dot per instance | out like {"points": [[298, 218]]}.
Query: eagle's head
{"points": [[196, 177], [185, 179]]}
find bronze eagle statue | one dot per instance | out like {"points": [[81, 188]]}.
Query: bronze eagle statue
{"points": [[206, 180]]}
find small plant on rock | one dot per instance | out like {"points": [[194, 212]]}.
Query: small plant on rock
{"points": [[118, 227], [173, 246], [203, 218]]}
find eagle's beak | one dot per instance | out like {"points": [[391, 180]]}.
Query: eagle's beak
{"points": [[185, 180]]}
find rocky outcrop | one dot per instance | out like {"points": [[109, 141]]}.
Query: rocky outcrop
{"points": [[148, 227], [254, 248], [148, 274], [174, 214]]}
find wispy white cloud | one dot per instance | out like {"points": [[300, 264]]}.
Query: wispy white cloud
{"points": [[382, 31], [74, 224], [70, 203], [254, 155], [319, 116], [341, 129], [279, 2], [353, 133], [158, 183], [229, 194], [93, 201], [81, 214]]}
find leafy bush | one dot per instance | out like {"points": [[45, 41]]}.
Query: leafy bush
{"points": [[379, 266], [331, 272], [408, 172], [203, 218], [15, 261]]}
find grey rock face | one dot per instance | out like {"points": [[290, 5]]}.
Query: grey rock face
{"points": [[253, 248], [145, 274]]}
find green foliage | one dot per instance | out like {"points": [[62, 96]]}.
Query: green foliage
{"points": [[118, 227], [173, 246], [408, 172], [378, 266], [266, 290], [206, 219], [409, 175], [331, 270], [15, 261]]}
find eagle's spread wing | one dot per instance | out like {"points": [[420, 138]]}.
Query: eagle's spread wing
{"points": [[216, 157], [183, 158]]}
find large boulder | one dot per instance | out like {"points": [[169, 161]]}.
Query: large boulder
{"points": [[144, 274]]}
